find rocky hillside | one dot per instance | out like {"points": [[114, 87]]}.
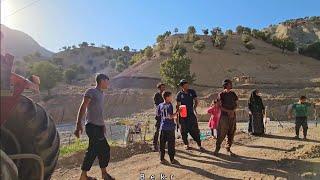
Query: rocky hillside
{"points": [[20, 44], [302, 31], [264, 65]]}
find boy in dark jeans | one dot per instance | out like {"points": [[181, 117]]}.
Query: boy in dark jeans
{"points": [[301, 112], [167, 127]]}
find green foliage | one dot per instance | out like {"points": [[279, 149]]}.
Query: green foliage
{"points": [[191, 36], [92, 44], [178, 49], [136, 58], [176, 30], [112, 63], [205, 31], [148, 52], [48, 73], [229, 32], [284, 44], [83, 45], [245, 38], [219, 41], [312, 50], [191, 30], [199, 46], [239, 29], [259, 35], [69, 75], [176, 68], [126, 48], [249, 45], [57, 61], [77, 146]]}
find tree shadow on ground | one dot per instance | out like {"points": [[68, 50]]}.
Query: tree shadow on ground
{"points": [[285, 168], [289, 138], [199, 171]]}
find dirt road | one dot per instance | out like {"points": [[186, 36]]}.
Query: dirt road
{"points": [[275, 156]]}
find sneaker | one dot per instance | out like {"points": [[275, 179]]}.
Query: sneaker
{"points": [[164, 162], [296, 137], [173, 161]]}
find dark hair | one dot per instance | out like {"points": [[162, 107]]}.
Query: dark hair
{"points": [[303, 97], [226, 82], [100, 77], [160, 84], [166, 94]]}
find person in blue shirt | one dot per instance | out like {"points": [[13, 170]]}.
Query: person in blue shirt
{"points": [[167, 127]]}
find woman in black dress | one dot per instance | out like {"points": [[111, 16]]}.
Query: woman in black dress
{"points": [[256, 113]]}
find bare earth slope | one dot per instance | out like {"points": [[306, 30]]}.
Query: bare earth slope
{"points": [[265, 64], [275, 156]]}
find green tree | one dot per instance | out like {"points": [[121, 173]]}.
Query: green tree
{"points": [[83, 45], [205, 31], [176, 68], [126, 48], [245, 38], [48, 73], [176, 30], [239, 29], [136, 58], [191, 30], [69, 75], [229, 32], [284, 44], [199, 46], [178, 49], [92, 44], [148, 52], [313, 50], [120, 66], [220, 41]]}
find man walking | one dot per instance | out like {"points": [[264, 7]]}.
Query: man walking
{"points": [[93, 105], [158, 99], [227, 124], [189, 124]]}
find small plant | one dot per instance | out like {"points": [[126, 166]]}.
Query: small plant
{"points": [[205, 31], [199, 46]]}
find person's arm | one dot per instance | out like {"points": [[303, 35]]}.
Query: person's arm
{"points": [[82, 110]]}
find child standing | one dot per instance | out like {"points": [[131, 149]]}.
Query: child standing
{"points": [[215, 112], [167, 127], [301, 112]]}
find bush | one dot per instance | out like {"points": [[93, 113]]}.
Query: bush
{"points": [[239, 29], [229, 32], [178, 49], [126, 48], [148, 52], [249, 45], [69, 75], [220, 41], [120, 66], [191, 30], [245, 38], [199, 46], [136, 58], [284, 44], [48, 73], [312, 50], [112, 63]]}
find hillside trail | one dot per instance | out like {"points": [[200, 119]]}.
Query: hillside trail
{"points": [[276, 156]]}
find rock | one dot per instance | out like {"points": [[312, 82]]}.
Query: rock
{"points": [[308, 175]]}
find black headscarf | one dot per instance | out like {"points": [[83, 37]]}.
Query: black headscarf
{"points": [[255, 102]]}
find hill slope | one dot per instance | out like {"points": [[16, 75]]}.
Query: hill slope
{"points": [[265, 64], [20, 44]]}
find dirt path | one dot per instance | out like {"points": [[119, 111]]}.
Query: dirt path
{"points": [[276, 156]]}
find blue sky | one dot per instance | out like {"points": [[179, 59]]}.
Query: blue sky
{"points": [[56, 23]]}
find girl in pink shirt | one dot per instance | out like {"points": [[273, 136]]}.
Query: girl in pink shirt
{"points": [[215, 112]]}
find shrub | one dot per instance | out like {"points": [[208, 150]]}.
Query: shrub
{"points": [[178, 49], [69, 75], [229, 32], [112, 63], [249, 45], [191, 30], [176, 30], [126, 48], [136, 58], [239, 29], [199, 46], [220, 41], [312, 50], [148, 52], [245, 38], [284, 44]]}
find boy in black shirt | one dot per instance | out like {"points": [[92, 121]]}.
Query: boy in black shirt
{"points": [[158, 99], [189, 124]]}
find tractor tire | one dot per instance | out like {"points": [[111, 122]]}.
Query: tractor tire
{"points": [[36, 133], [9, 170]]}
